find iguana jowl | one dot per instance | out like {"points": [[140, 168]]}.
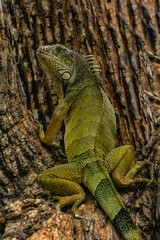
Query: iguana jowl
{"points": [[90, 129]]}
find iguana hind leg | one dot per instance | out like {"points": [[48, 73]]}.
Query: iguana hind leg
{"points": [[63, 181], [120, 164]]}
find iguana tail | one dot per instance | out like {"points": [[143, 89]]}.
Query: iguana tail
{"points": [[101, 186]]}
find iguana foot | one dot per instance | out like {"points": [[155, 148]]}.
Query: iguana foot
{"points": [[42, 138], [74, 199], [58, 207]]}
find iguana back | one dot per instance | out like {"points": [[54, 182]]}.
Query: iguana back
{"points": [[90, 123]]}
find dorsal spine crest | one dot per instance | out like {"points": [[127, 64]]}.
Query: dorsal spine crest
{"points": [[93, 64]]}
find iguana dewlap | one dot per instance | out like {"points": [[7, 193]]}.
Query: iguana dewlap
{"points": [[90, 130]]}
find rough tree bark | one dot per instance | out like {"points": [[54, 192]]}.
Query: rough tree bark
{"points": [[124, 37]]}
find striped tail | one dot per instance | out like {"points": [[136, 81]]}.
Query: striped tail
{"points": [[101, 186]]}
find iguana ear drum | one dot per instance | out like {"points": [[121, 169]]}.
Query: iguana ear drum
{"points": [[66, 75]]}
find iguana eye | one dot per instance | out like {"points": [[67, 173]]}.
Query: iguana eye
{"points": [[59, 50], [69, 62], [66, 75]]}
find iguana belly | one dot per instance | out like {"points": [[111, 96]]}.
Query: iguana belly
{"points": [[90, 123]]}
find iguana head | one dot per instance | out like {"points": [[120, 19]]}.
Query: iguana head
{"points": [[58, 62], [64, 66]]}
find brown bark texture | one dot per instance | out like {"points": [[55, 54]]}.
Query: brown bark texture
{"points": [[123, 35]]}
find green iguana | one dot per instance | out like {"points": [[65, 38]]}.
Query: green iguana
{"points": [[90, 130]]}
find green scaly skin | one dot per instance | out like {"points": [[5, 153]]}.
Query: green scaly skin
{"points": [[89, 139]]}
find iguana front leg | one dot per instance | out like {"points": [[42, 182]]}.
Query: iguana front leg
{"points": [[54, 125], [121, 166]]}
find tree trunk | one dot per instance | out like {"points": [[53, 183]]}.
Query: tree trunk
{"points": [[123, 36]]}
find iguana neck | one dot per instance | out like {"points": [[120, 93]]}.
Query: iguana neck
{"points": [[81, 82]]}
